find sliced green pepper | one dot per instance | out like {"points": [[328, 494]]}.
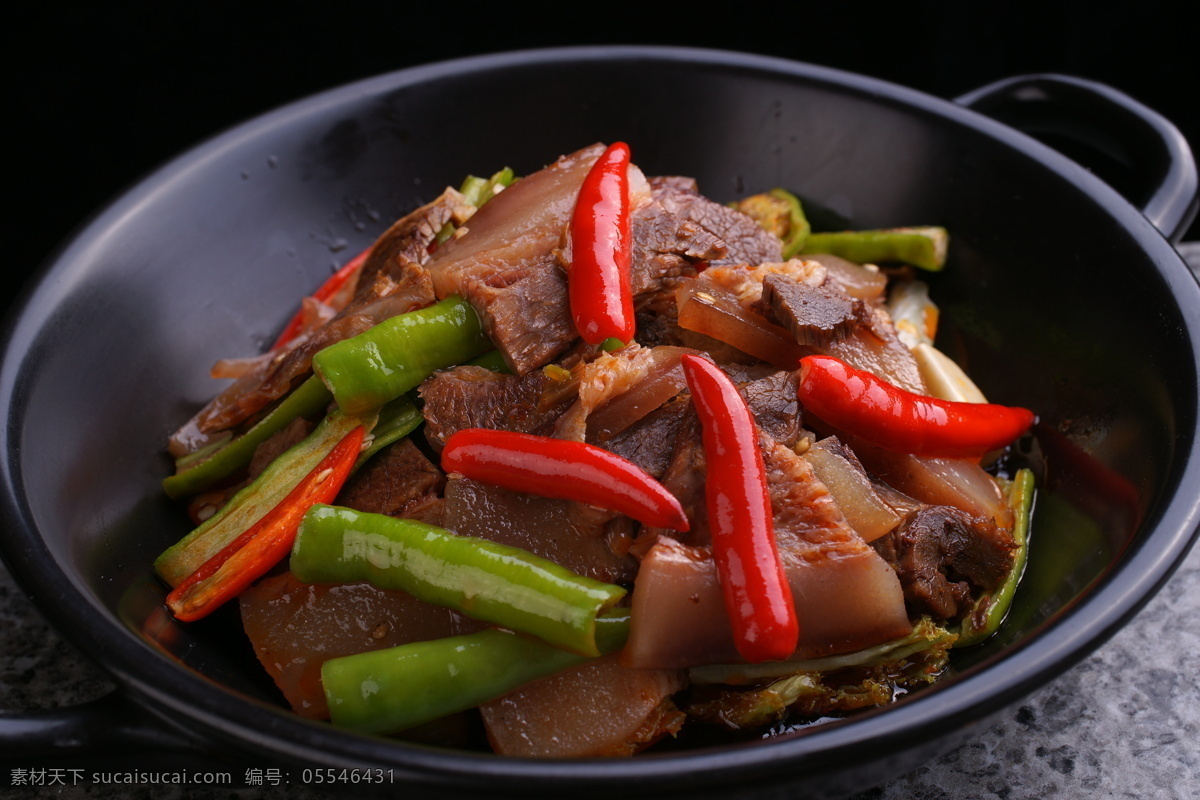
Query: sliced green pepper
{"points": [[379, 365], [921, 247], [479, 190], [255, 500], [989, 611], [492, 582], [195, 475], [386, 691], [397, 419]]}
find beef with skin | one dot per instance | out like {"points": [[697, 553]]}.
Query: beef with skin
{"points": [[846, 595], [506, 263]]}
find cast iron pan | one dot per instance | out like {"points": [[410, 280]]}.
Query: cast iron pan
{"points": [[1062, 295]]}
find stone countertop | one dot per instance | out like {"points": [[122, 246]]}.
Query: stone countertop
{"points": [[1122, 724]]}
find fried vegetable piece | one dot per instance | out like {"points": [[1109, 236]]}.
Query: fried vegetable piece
{"points": [[821, 687], [779, 212], [198, 471], [253, 502]]}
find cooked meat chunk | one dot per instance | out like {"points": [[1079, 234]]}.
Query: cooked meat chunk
{"points": [[666, 245], [407, 242], [400, 482], [572, 535], [746, 242], [776, 409], [274, 446], [816, 315], [944, 557], [651, 441], [473, 397]]}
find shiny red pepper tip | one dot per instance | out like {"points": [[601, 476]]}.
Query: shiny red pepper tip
{"points": [[562, 469], [599, 291], [758, 598], [895, 419]]}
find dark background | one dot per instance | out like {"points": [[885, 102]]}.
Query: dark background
{"points": [[101, 95]]}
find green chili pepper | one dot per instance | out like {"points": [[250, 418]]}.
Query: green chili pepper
{"points": [[195, 474], [492, 582], [379, 365], [985, 618], [397, 419], [479, 190], [255, 500], [386, 691], [921, 247], [611, 343]]}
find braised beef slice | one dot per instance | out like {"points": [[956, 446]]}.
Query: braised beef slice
{"points": [[944, 557], [650, 442], [525, 313], [572, 535], [746, 242], [666, 245], [473, 397], [815, 315], [506, 265], [684, 478], [399, 482], [776, 409]]}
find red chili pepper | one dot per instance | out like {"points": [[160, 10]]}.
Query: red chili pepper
{"points": [[598, 283], [562, 469], [758, 598], [327, 290], [263, 544], [902, 421]]}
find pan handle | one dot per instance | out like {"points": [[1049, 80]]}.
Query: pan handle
{"points": [[1134, 149], [112, 729]]}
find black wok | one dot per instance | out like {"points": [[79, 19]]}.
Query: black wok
{"points": [[1062, 296]]}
